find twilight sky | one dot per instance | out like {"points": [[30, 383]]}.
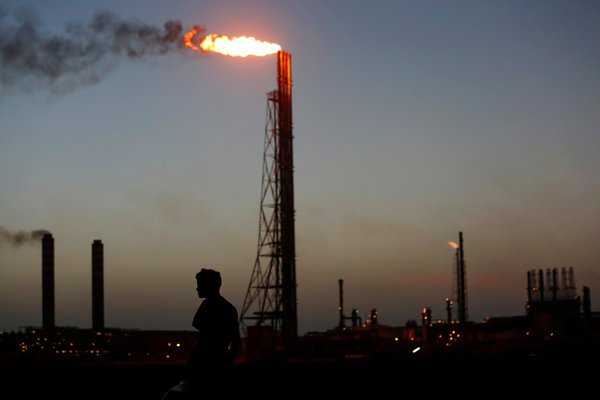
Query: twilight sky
{"points": [[413, 120]]}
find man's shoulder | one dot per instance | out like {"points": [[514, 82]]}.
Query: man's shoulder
{"points": [[227, 304]]}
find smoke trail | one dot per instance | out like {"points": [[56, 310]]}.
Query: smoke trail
{"points": [[21, 237], [31, 58]]}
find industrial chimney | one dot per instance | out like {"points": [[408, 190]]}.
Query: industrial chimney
{"points": [[97, 285], [285, 163], [47, 282], [341, 324], [274, 288], [462, 281]]}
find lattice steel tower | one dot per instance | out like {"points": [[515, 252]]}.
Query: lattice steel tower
{"points": [[271, 296]]}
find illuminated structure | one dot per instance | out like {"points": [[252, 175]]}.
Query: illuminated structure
{"points": [[97, 285], [272, 287], [48, 282], [354, 317], [553, 306], [449, 303]]}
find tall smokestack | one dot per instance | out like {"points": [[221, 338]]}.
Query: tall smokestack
{"points": [[341, 307], [275, 288], [286, 176], [571, 279], [587, 308], [554, 284], [97, 285], [529, 288], [564, 284], [541, 283], [48, 282], [462, 281], [549, 282], [535, 293]]}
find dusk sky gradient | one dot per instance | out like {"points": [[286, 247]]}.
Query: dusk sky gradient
{"points": [[413, 120]]}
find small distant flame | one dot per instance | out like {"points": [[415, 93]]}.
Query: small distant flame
{"points": [[453, 245], [238, 46]]}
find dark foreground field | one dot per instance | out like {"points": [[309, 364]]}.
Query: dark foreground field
{"points": [[30, 379]]}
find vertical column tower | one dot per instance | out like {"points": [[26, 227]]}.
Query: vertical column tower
{"points": [[48, 321], [286, 173], [97, 285], [462, 282], [272, 287]]}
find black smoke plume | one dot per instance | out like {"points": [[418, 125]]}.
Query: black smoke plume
{"points": [[21, 237], [31, 58]]}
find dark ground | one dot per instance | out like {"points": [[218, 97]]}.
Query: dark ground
{"points": [[67, 380]]}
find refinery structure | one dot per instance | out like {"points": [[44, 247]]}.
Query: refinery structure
{"points": [[556, 320], [270, 301]]}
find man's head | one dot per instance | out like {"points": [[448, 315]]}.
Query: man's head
{"points": [[208, 283]]}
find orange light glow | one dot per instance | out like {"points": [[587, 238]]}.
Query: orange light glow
{"points": [[238, 46], [453, 245]]}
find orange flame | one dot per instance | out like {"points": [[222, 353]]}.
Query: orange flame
{"points": [[189, 37], [239, 46], [453, 245]]}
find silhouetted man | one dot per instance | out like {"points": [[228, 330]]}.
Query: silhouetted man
{"points": [[218, 338]]}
